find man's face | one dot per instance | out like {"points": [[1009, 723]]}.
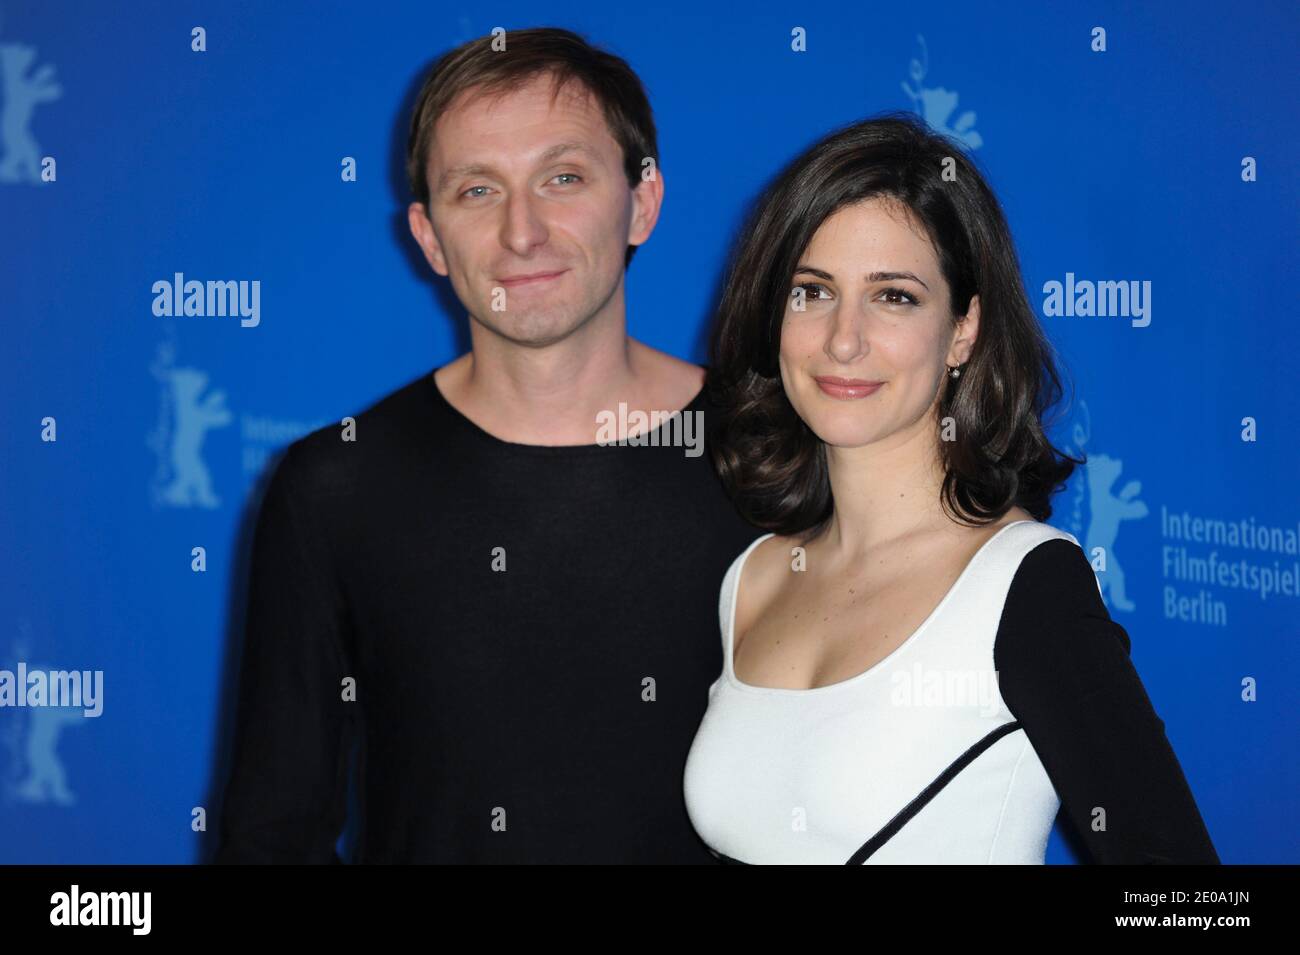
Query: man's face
{"points": [[530, 211]]}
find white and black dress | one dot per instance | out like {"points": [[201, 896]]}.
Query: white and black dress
{"points": [[1015, 697]]}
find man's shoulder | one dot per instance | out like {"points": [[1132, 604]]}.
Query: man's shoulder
{"points": [[331, 457]]}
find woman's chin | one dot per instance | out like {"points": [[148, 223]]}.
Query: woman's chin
{"points": [[840, 433]]}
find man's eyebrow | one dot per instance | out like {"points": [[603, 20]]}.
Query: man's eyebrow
{"points": [[871, 276], [559, 149], [482, 169]]}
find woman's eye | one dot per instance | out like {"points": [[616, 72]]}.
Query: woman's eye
{"points": [[813, 291], [911, 299]]}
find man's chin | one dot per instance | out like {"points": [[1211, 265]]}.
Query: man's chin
{"points": [[534, 331]]}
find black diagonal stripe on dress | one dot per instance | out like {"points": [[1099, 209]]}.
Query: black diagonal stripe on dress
{"points": [[916, 805]]}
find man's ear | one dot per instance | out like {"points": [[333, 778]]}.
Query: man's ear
{"points": [[967, 330], [422, 229], [647, 200]]}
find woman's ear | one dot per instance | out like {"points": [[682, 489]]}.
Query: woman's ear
{"points": [[964, 335]]}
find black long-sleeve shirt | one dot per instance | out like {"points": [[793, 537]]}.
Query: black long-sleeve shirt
{"points": [[530, 633]]}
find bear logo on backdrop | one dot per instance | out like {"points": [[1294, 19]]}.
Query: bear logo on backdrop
{"points": [[937, 104], [1106, 511], [22, 89], [34, 771], [187, 412]]}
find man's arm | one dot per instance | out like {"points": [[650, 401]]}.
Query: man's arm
{"points": [[287, 797]]}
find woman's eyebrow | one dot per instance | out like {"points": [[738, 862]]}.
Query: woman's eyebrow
{"points": [[894, 277], [871, 276], [817, 272]]}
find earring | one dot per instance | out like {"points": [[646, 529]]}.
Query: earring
{"points": [[954, 372]]}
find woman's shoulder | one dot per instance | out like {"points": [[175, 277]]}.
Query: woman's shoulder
{"points": [[746, 562], [1047, 569], [1022, 535], [768, 559], [757, 573], [1054, 612], [1046, 559]]}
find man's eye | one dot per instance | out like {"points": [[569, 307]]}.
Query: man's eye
{"points": [[570, 175], [474, 189]]}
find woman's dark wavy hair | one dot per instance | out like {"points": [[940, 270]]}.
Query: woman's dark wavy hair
{"points": [[772, 464]]}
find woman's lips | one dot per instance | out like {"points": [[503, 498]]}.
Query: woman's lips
{"points": [[847, 389]]}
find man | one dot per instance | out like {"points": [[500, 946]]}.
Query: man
{"points": [[507, 581]]}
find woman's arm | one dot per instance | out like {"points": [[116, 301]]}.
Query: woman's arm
{"points": [[1064, 671]]}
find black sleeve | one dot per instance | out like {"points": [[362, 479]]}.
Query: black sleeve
{"points": [[286, 801], [1064, 671]]}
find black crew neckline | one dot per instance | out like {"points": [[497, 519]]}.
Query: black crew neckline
{"points": [[550, 450]]}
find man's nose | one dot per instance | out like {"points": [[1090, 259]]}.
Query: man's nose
{"points": [[522, 229]]}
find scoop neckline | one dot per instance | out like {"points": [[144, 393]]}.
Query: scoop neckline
{"points": [[739, 684], [466, 424]]}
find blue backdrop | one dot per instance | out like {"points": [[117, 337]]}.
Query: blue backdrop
{"points": [[1146, 144]]}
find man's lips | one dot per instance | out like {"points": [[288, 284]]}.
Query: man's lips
{"points": [[530, 278], [847, 389]]}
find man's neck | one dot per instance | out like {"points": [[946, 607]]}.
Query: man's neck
{"points": [[553, 395]]}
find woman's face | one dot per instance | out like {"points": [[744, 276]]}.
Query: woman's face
{"points": [[864, 359]]}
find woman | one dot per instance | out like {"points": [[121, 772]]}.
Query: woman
{"points": [[916, 668]]}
